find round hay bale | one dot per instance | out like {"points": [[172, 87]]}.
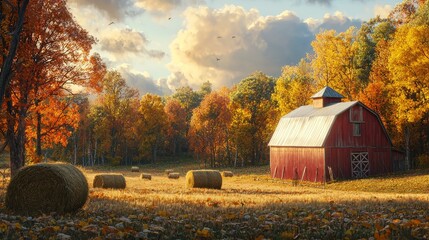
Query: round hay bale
{"points": [[204, 179], [135, 169], [146, 176], [174, 175], [46, 188], [109, 181], [227, 174], [168, 171]]}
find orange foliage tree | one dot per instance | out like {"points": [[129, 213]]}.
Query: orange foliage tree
{"points": [[54, 55], [209, 129], [176, 129], [11, 22]]}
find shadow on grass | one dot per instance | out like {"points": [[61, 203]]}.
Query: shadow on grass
{"points": [[104, 217]]}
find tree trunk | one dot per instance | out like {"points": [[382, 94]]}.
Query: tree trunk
{"points": [[6, 67], [16, 139], [407, 147], [75, 148], [39, 135], [95, 151]]}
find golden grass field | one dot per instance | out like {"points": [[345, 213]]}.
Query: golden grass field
{"points": [[250, 205]]}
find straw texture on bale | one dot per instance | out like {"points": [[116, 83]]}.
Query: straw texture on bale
{"points": [[204, 179], [46, 188], [109, 181], [174, 175], [135, 169], [146, 176], [227, 174], [168, 171]]}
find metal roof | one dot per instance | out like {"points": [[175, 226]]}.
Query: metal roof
{"points": [[307, 126], [327, 92]]}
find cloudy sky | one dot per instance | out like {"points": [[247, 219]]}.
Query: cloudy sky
{"points": [[160, 45]]}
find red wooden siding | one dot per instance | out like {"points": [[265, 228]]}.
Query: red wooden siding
{"points": [[372, 133], [355, 129], [341, 143], [284, 160], [339, 159]]}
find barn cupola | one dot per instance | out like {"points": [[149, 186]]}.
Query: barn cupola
{"points": [[326, 97]]}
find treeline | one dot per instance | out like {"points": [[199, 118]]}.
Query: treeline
{"points": [[384, 64], [218, 128]]}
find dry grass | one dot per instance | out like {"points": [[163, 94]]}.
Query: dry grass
{"points": [[258, 190], [252, 204]]}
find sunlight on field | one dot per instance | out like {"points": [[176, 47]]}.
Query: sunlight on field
{"points": [[250, 205], [254, 190]]}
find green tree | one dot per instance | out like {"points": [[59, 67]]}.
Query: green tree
{"points": [[252, 97], [111, 116]]}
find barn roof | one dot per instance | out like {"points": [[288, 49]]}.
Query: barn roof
{"points": [[307, 126], [327, 92]]}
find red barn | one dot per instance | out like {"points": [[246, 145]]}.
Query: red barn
{"points": [[330, 139]]}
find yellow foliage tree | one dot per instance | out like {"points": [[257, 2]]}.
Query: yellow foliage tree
{"points": [[409, 67], [334, 62], [294, 87], [153, 123]]}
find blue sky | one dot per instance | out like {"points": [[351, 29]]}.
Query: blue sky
{"points": [[160, 45]]}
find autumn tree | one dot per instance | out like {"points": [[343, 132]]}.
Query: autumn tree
{"points": [[190, 99], [54, 54], [294, 87], [409, 67], [111, 117], [11, 20], [251, 100], [377, 94], [176, 121], [209, 130], [153, 124], [334, 62], [406, 11]]}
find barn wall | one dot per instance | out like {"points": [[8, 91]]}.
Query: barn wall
{"points": [[341, 143], [372, 133], [284, 160], [339, 159]]}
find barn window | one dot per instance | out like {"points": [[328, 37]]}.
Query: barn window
{"points": [[356, 114], [356, 129]]}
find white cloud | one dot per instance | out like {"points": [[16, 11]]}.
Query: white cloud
{"points": [[225, 45], [163, 7], [158, 5], [337, 21], [382, 10], [125, 42], [113, 9], [143, 81]]}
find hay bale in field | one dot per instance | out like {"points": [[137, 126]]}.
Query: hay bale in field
{"points": [[227, 174], [174, 175], [168, 171], [146, 176], [46, 188], [135, 169], [109, 181], [204, 179]]}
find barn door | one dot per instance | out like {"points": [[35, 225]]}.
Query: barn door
{"points": [[360, 165]]}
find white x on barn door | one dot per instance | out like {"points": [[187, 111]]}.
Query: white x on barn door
{"points": [[360, 165]]}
